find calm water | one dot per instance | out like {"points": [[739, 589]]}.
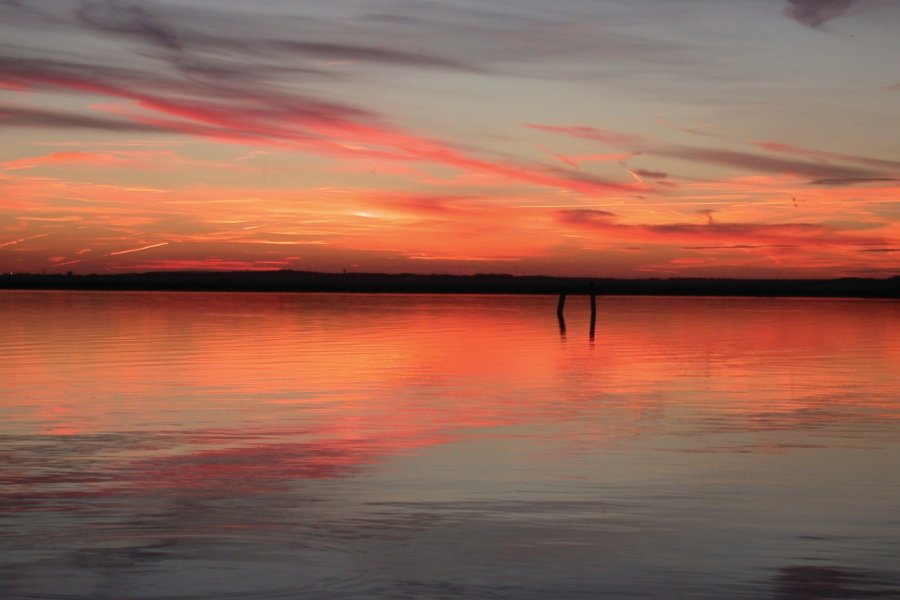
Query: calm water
{"points": [[266, 446]]}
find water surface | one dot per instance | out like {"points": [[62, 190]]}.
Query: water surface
{"points": [[264, 446]]}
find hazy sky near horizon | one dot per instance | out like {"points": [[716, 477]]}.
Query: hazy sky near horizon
{"points": [[610, 138]]}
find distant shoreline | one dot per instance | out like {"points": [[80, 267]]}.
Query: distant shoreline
{"points": [[307, 281]]}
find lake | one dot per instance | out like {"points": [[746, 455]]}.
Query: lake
{"points": [[263, 446]]}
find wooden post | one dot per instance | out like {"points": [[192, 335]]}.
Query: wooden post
{"points": [[559, 313], [593, 311]]}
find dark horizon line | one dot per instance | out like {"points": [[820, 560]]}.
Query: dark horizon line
{"points": [[484, 283]]}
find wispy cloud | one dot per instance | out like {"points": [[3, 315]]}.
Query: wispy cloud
{"points": [[813, 13], [825, 157], [587, 216], [131, 20], [856, 181], [741, 234], [86, 158], [369, 54], [825, 168], [604, 136], [761, 163], [15, 116], [173, 29], [260, 115], [141, 249], [24, 239]]}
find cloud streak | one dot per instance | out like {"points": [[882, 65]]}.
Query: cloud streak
{"points": [[823, 168], [24, 239], [16, 116], [762, 164], [168, 30], [846, 181], [131, 20], [260, 115], [731, 234], [141, 249], [814, 13]]}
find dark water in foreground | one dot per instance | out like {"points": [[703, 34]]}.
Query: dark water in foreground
{"points": [[264, 446]]}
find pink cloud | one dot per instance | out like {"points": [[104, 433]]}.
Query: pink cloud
{"points": [[264, 117], [66, 157], [88, 158]]}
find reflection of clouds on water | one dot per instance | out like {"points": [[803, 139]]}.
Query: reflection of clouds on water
{"points": [[176, 527], [854, 414], [276, 446], [61, 473], [808, 582]]}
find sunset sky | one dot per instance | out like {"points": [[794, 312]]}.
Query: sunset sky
{"points": [[626, 138]]}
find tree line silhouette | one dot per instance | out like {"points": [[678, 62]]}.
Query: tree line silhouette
{"points": [[307, 281]]}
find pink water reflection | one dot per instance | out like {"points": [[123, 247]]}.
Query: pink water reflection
{"points": [[399, 446]]}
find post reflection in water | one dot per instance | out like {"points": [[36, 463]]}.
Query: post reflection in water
{"points": [[158, 445], [560, 315]]}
